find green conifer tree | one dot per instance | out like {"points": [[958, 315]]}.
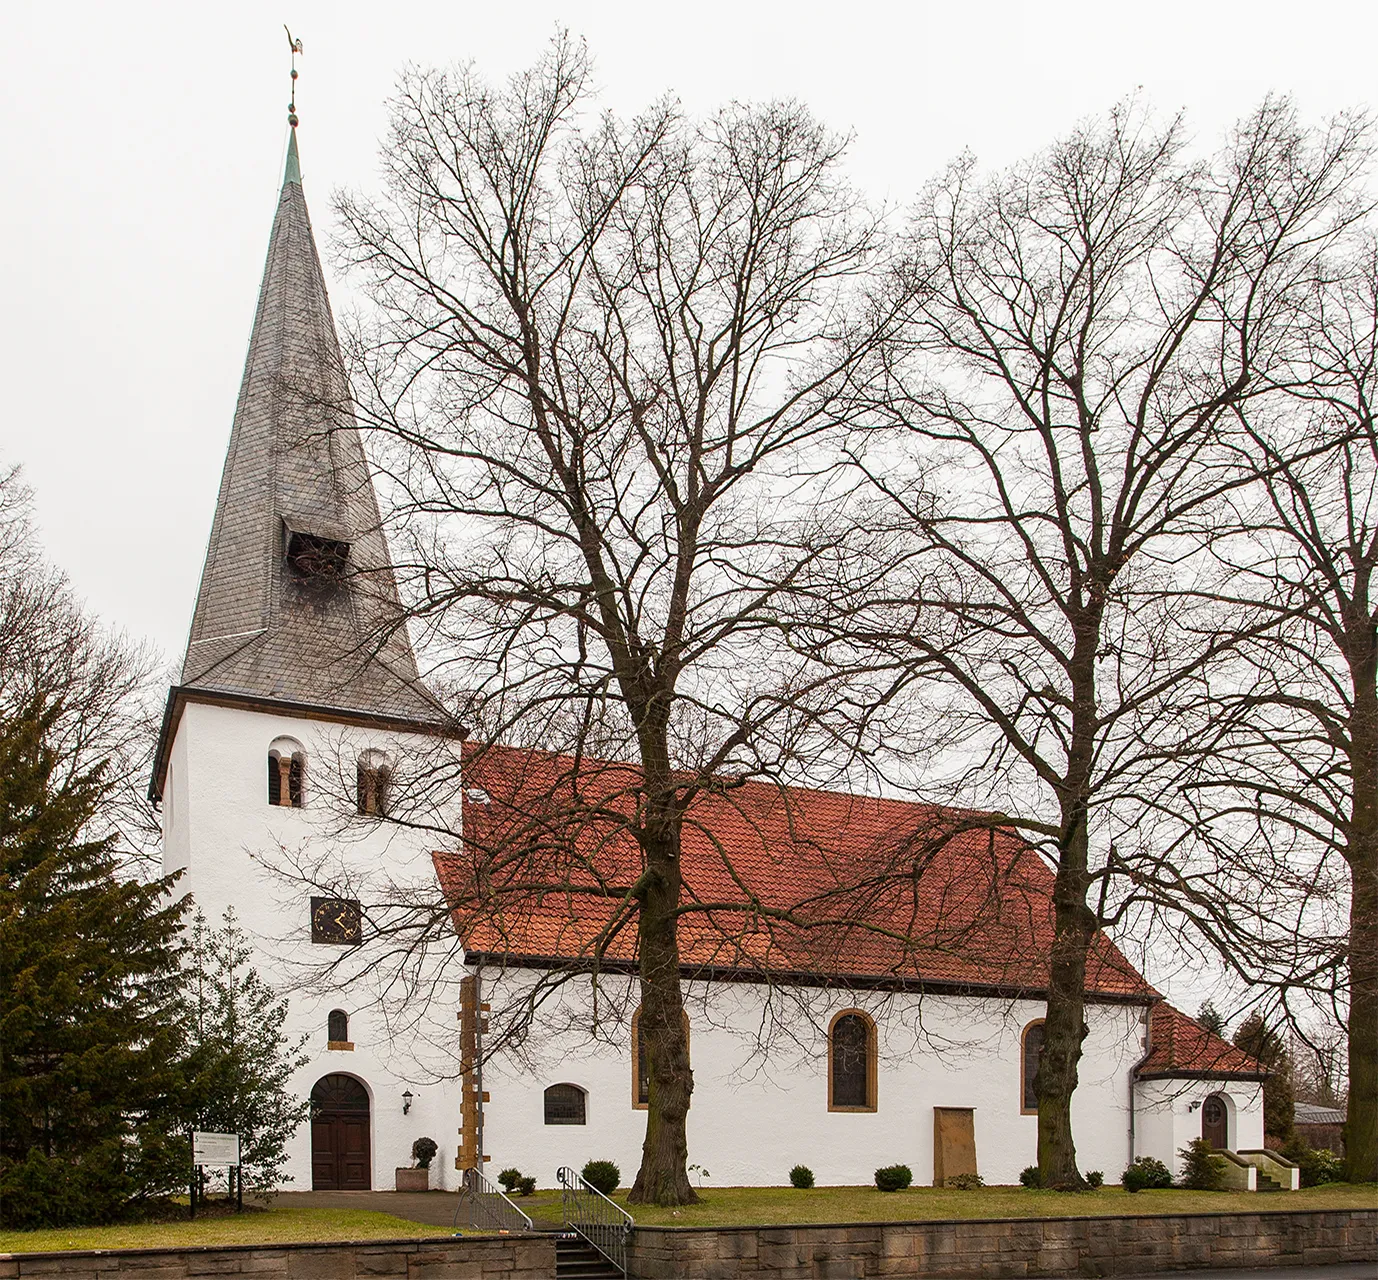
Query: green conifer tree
{"points": [[240, 1060], [1254, 1036], [90, 1046], [1209, 1017]]}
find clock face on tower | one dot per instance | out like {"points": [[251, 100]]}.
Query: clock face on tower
{"points": [[336, 920]]}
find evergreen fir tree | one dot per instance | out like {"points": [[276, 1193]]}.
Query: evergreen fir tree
{"points": [[1254, 1036], [240, 1061], [1209, 1017], [89, 1041]]}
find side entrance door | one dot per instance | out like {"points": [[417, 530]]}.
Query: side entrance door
{"points": [[340, 1156], [1215, 1122]]}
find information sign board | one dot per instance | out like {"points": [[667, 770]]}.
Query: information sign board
{"points": [[215, 1149]]}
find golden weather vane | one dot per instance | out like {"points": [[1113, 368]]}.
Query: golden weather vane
{"points": [[295, 46]]}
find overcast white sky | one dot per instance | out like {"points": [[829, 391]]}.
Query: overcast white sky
{"points": [[141, 147]]}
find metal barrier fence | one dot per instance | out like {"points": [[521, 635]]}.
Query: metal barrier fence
{"points": [[488, 1208], [605, 1225]]}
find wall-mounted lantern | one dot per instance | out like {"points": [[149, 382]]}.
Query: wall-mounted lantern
{"points": [[406, 1102]]}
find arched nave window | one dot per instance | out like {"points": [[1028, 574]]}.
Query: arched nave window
{"points": [[1030, 1051], [565, 1104], [286, 773], [641, 1062], [851, 1062]]}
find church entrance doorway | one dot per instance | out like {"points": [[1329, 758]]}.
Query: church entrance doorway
{"points": [[1215, 1122], [340, 1158]]}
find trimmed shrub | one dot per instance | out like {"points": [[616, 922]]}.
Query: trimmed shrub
{"points": [[1146, 1174], [602, 1175], [965, 1182], [508, 1179], [1317, 1165], [423, 1152], [526, 1186], [1202, 1169], [1031, 1177], [801, 1176], [894, 1177], [1094, 1178]]}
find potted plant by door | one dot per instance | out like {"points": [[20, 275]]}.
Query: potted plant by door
{"points": [[418, 1177]]}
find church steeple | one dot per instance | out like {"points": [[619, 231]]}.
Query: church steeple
{"points": [[298, 600]]}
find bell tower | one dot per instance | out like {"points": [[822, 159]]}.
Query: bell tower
{"points": [[298, 710]]}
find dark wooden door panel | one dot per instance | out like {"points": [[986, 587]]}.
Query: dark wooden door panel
{"points": [[324, 1174], [340, 1156], [1215, 1122], [355, 1170]]}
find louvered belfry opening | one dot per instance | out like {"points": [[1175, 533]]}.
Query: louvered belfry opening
{"points": [[286, 778], [374, 778], [317, 565]]}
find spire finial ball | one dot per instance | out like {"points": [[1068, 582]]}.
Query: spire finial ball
{"points": [[294, 73], [292, 120]]}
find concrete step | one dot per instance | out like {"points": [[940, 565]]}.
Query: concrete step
{"points": [[577, 1260]]}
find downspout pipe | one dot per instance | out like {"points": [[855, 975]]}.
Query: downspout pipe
{"points": [[1136, 1068]]}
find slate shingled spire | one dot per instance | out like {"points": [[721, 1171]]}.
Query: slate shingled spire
{"points": [[296, 477]]}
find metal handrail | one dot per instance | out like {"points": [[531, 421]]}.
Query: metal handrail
{"points": [[605, 1225], [489, 1208]]}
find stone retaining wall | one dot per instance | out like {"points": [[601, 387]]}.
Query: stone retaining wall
{"points": [[964, 1250], [524, 1257]]}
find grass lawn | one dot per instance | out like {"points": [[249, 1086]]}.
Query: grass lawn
{"points": [[721, 1206], [748, 1206], [264, 1226]]}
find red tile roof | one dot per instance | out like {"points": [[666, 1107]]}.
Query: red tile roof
{"points": [[1181, 1047], [878, 890]]}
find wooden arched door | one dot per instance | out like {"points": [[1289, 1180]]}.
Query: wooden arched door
{"points": [[1215, 1122], [340, 1157]]}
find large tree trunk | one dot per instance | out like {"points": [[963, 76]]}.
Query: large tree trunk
{"points": [[1361, 1129], [1064, 1026], [663, 1178], [1074, 925]]}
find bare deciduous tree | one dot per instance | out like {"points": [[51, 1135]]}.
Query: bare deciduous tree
{"points": [[603, 379], [1292, 769], [50, 647], [1082, 330]]}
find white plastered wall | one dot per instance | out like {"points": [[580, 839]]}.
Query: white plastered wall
{"points": [[219, 827], [1168, 1116], [754, 1116]]}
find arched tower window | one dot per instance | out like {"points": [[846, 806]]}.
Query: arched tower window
{"points": [[852, 1062], [374, 779], [1031, 1050], [565, 1104], [641, 1062], [286, 773], [337, 1029]]}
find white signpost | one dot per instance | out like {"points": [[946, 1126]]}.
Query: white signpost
{"points": [[220, 1150], [215, 1151]]}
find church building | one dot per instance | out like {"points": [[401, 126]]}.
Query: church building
{"points": [[298, 710]]}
